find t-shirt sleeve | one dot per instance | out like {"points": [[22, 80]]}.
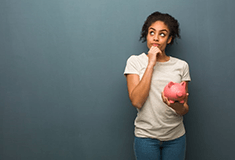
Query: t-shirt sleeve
{"points": [[186, 74], [131, 66]]}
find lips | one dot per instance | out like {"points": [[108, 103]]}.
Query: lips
{"points": [[155, 45]]}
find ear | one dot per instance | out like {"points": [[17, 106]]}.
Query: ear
{"points": [[169, 40], [170, 84], [183, 84]]}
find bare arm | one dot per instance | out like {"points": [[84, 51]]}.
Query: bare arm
{"points": [[139, 89], [180, 109]]}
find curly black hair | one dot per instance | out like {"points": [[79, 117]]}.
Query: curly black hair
{"points": [[170, 21]]}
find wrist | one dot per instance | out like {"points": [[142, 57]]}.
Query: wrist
{"points": [[151, 65]]}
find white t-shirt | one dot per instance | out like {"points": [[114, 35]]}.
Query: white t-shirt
{"points": [[155, 119]]}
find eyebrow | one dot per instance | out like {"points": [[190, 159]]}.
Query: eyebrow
{"points": [[160, 30]]}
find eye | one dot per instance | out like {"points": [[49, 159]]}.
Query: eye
{"points": [[162, 34], [151, 33]]}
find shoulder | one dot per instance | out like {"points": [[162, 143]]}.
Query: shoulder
{"points": [[136, 63], [139, 57], [179, 61]]}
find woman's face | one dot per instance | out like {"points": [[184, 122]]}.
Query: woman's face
{"points": [[158, 35]]}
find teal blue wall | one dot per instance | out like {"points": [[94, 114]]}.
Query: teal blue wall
{"points": [[62, 90]]}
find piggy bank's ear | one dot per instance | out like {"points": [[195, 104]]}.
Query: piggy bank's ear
{"points": [[170, 84], [183, 83]]}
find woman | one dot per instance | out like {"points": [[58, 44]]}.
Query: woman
{"points": [[159, 128]]}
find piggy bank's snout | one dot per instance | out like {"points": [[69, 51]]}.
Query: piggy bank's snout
{"points": [[179, 94]]}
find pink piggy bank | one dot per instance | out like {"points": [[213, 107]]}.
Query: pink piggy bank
{"points": [[175, 92]]}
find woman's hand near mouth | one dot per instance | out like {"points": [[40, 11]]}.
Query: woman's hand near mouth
{"points": [[152, 54]]}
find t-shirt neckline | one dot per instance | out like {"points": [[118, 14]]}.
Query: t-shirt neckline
{"points": [[146, 57]]}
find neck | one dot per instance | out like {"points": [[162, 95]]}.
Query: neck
{"points": [[162, 57]]}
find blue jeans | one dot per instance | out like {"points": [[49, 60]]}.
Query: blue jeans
{"points": [[153, 149]]}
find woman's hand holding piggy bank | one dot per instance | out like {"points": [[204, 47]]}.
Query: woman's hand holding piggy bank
{"points": [[175, 92]]}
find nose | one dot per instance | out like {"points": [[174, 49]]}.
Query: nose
{"points": [[155, 38]]}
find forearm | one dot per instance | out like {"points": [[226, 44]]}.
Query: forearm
{"points": [[140, 93], [180, 109]]}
